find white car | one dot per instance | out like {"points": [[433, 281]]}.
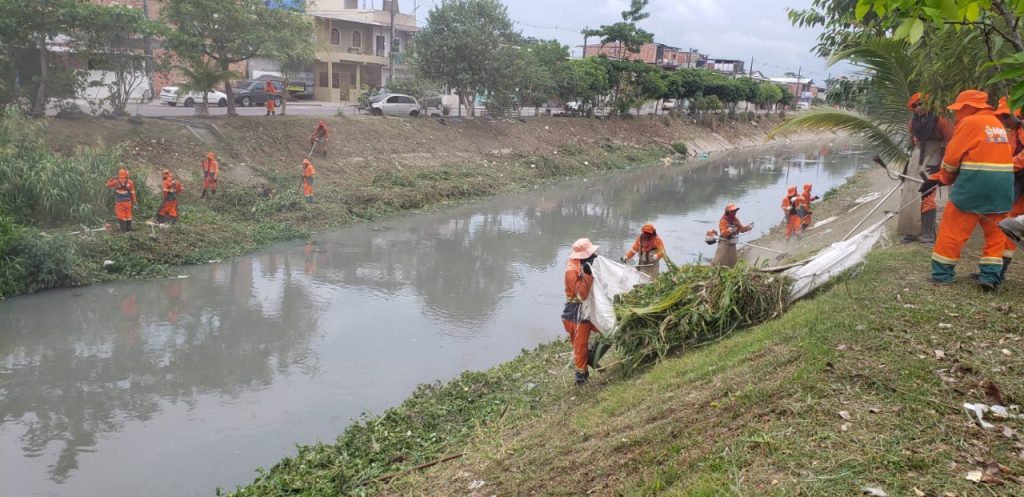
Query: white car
{"points": [[396, 105], [169, 95]]}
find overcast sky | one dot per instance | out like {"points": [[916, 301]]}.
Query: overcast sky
{"points": [[733, 29]]}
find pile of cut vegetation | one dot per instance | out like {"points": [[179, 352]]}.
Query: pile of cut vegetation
{"points": [[690, 305]]}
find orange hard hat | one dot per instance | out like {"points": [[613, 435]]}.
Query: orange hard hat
{"points": [[166, 172], [122, 173], [209, 155], [807, 187], [648, 228], [974, 98], [1004, 108], [731, 207], [306, 161], [791, 189], [915, 99]]}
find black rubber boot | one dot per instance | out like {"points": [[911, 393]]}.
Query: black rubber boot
{"points": [[124, 225], [204, 193], [128, 225], [928, 226], [581, 378], [1006, 264]]}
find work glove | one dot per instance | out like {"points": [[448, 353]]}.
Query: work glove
{"points": [[586, 268], [928, 185], [623, 259], [135, 206]]}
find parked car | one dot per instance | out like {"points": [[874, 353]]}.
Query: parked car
{"points": [[396, 105], [251, 92], [170, 96]]}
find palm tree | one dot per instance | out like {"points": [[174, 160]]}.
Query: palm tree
{"points": [[202, 77], [884, 126]]}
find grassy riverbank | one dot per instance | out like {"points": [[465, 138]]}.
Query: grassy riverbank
{"points": [[375, 167], [858, 387]]}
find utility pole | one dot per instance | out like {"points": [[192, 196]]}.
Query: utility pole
{"points": [[391, 44], [585, 36], [799, 86], [751, 73]]}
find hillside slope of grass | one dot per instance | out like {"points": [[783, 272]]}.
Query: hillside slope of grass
{"points": [[861, 386]]}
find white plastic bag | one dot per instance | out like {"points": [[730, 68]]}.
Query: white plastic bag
{"points": [[610, 279]]}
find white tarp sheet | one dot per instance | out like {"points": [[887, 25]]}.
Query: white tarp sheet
{"points": [[610, 279], [837, 258]]}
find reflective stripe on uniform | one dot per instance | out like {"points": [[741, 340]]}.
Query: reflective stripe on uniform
{"points": [[990, 261], [944, 260], [986, 166]]}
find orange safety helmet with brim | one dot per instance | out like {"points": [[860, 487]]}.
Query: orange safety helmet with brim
{"points": [[731, 207], [973, 98]]}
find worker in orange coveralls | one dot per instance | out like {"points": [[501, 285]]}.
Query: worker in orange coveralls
{"points": [[578, 281], [805, 221], [929, 134], [319, 136], [1015, 135], [211, 173], [168, 212], [729, 229], [271, 91], [979, 164], [307, 179], [792, 205], [650, 249], [124, 198]]}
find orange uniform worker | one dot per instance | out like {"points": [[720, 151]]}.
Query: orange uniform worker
{"points": [[307, 179], [929, 134], [168, 212], [578, 282], [319, 136], [792, 208], [211, 173], [271, 91], [651, 249], [979, 164], [729, 229], [805, 221], [124, 198], [1015, 134]]}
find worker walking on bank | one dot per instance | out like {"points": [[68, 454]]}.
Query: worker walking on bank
{"points": [[271, 90], [171, 187], [791, 208], [319, 137], [929, 134], [729, 229], [211, 173], [651, 250], [307, 179], [805, 220], [578, 280], [124, 198], [979, 164]]}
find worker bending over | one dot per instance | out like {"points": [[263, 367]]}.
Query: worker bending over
{"points": [[319, 137], [979, 164], [650, 249], [168, 212], [792, 208], [124, 198]]}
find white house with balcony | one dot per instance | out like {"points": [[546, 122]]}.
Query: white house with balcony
{"points": [[353, 40]]}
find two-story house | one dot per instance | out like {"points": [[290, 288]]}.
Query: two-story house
{"points": [[353, 44]]}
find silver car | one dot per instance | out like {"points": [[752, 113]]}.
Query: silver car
{"points": [[396, 105]]}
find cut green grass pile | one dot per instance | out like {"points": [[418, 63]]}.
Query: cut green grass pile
{"points": [[861, 386]]}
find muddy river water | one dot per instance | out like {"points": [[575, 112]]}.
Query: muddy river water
{"points": [[173, 387]]}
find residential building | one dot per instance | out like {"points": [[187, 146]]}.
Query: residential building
{"points": [[726, 66], [353, 44], [803, 88], [658, 54]]}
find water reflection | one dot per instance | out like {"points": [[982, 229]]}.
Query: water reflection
{"points": [[290, 343]]}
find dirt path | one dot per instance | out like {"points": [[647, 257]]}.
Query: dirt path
{"points": [[835, 216]]}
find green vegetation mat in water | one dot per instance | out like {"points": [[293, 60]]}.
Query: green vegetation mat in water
{"points": [[692, 304]]}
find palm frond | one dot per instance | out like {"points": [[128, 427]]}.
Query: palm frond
{"points": [[892, 79], [884, 141]]}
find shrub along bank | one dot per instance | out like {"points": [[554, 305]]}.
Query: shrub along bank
{"points": [[48, 198]]}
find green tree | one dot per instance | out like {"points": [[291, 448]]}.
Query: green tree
{"points": [[228, 32], [584, 81], [25, 27], [626, 31], [767, 95], [885, 128], [468, 46], [110, 36], [294, 50], [202, 76]]}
